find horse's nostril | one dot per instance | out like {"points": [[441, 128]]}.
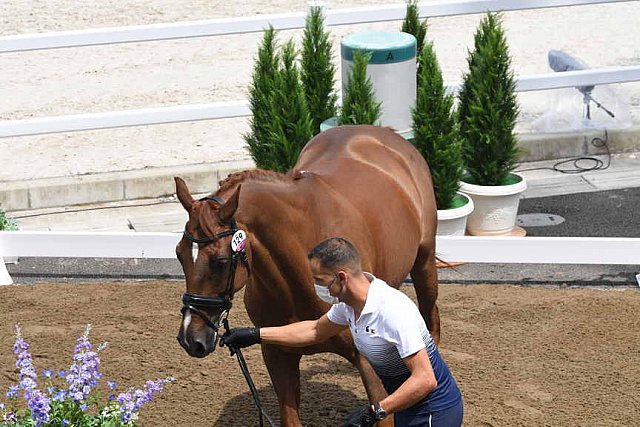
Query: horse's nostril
{"points": [[197, 349]]}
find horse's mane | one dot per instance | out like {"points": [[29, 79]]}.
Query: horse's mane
{"points": [[254, 175]]}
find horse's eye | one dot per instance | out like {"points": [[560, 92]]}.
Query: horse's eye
{"points": [[218, 263]]}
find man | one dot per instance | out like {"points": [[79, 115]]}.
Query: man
{"points": [[387, 329]]}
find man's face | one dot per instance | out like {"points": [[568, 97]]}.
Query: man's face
{"points": [[325, 278]]}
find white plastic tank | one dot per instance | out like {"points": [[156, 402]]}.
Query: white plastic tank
{"points": [[392, 69]]}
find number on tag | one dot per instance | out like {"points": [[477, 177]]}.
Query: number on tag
{"points": [[238, 241]]}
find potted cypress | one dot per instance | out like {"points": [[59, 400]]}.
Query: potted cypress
{"points": [[437, 137], [317, 69], [412, 25], [487, 114], [359, 105], [280, 124]]}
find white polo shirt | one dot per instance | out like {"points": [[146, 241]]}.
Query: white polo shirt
{"points": [[389, 329]]}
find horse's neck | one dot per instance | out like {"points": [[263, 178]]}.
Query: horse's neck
{"points": [[275, 221]]}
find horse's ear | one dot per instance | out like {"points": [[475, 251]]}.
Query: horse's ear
{"points": [[183, 194], [229, 208]]}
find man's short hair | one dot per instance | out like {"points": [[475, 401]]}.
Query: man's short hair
{"points": [[336, 253]]}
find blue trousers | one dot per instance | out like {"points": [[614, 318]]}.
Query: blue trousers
{"points": [[450, 417]]}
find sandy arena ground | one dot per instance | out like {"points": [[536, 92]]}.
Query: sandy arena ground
{"points": [[522, 356], [202, 70]]}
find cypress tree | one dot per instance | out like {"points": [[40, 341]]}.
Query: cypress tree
{"points": [[260, 94], [436, 134], [413, 26], [359, 105], [280, 124], [318, 70], [291, 122], [488, 107]]}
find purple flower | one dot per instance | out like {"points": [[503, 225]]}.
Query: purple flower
{"points": [[39, 406], [13, 392], [37, 402], [65, 422], [84, 373], [47, 373], [131, 401], [112, 384]]}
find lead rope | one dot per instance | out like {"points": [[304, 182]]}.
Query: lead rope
{"points": [[247, 377]]}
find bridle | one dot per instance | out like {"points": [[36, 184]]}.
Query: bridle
{"points": [[195, 303]]}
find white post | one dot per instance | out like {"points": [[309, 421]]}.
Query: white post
{"points": [[5, 278]]}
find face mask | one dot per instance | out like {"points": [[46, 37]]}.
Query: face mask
{"points": [[324, 295]]}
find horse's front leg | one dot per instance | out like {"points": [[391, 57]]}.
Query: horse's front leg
{"points": [[284, 370], [372, 384]]}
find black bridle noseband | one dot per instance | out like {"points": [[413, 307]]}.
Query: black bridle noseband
{"points": [[195, 303]]}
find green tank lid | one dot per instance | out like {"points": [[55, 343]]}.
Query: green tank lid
{"points": [[385, 47]]}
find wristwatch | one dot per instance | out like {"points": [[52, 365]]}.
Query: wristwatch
{"points": [[378, 411]]}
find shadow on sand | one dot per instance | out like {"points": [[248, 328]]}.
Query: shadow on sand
{"points": [[324, 402]]}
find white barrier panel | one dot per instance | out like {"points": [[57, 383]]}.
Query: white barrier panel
{"points": [[540, 250], [283, 21], [88, 244], [499, 250], [223, 110]]}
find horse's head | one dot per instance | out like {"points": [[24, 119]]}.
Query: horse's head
{"points": [[210, 251]]}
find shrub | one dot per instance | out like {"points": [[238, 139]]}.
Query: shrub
{"points": [[436, 133], [317, 70], [359, 105], [413, 26], [70, 398], [281, 125], [260, 93], [488, 107], [7, 223]]}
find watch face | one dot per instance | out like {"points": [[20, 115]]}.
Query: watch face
{"points": [[381, 414]]}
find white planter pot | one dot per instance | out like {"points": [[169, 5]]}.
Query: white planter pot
{"points": [[495, 209], [453, 222]]}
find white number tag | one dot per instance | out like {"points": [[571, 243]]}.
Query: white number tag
{"points": [[238, 241]]}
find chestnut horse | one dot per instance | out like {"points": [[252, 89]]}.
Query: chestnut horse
{"points": [[363, 183]]}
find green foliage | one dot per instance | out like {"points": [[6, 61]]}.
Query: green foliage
{"points": [[436, 134], [318, 70], [488, 107], [260, 95], [413, 26], [359, 105], [281, 124], [7, 223]]}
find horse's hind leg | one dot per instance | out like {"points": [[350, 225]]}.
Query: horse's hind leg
{"points": [[425, 281], [284, 370]]}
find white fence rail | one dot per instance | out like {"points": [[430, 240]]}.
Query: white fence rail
{"points": [[224, 110], [495, 250], [283, 21], [529, 250]]}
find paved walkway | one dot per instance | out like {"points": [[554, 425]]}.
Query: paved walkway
{"points": [[166, 214]]}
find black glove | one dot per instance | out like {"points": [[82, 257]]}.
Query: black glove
{"points": [[240, 338], [361, 417]]}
